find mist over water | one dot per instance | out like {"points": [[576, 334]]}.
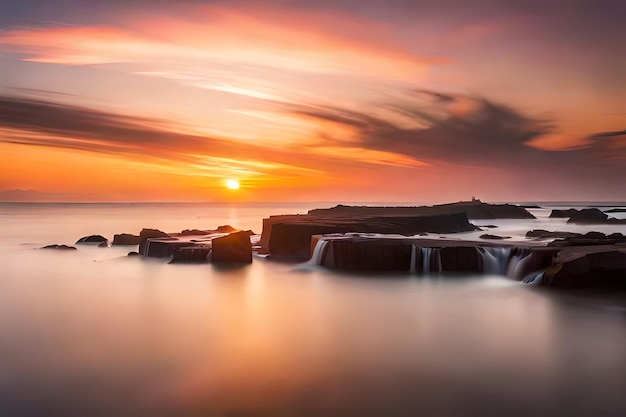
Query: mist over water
{"points": [[95, 333]]}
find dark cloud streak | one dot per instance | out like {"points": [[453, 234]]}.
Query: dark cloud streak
{"points": [[489, 134]]}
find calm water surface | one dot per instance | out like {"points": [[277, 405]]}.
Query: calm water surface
{"points": [[95, 333]]}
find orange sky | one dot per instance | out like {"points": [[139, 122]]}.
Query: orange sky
{"points": [[338, 101]]}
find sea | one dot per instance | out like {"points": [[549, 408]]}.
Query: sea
{"points": [[94, 332]]}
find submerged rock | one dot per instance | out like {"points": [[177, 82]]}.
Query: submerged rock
{"points": [[59, 247], [590, 239], [125, 239], [588, 216], [92, 239], [563, 214], [133, 253], [493, 237], [234, 248], [544, 234], [194, 232]]}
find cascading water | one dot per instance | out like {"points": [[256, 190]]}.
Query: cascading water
{"points": [[534, 279], [431, 260], [318, 252], [426, 259], [495, 260], [517, 264]]}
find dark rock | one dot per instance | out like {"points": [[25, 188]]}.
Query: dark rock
{"points": [[460, 259], [234, 248], [125, 239], [146, 234], [617, 236], [363, 254], [103, 245], [194, 232], [590, 239], [191, 254], [593, 270], [59, 247], [588, 216], [493, 237], [529, 206], [563, 214], [544, 234], [133, 254], [616, 210], [225, 229], [594, 235], [92, 239], [490, 226], [163, 247], [473, 209]]}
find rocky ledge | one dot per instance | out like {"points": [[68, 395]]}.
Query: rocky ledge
{"points": [[474, 210], [593, 260], [290, 235]]}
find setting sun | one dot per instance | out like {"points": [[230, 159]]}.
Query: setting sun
{"points": [[232, 184]]}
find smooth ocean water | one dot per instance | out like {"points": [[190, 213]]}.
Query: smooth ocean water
{"points": [[95, 333]]}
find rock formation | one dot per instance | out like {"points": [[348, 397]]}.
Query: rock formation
{"points": [[473, 209], [126, 239], [92, 239], [563, 214], [589, 270], [233, 248], [146, 234], [588, 216], [354, 252], [493, 237], [590, 239], [544, 234], [59, 247]]}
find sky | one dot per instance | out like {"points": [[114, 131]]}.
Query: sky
{"points": [[343, 100]]}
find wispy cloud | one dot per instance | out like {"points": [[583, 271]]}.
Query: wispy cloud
{"points": [[485, 133]]}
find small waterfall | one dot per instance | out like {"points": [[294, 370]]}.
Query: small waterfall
{"points": [[318, 252], [534, 279], [495, 260], [426, 259], [428, 256], [517, 264], [413, 264]]}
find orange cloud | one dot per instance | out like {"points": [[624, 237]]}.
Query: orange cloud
{"points": [[289, 40]]}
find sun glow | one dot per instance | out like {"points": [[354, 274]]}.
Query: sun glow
{"points": [[232, 184]]}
